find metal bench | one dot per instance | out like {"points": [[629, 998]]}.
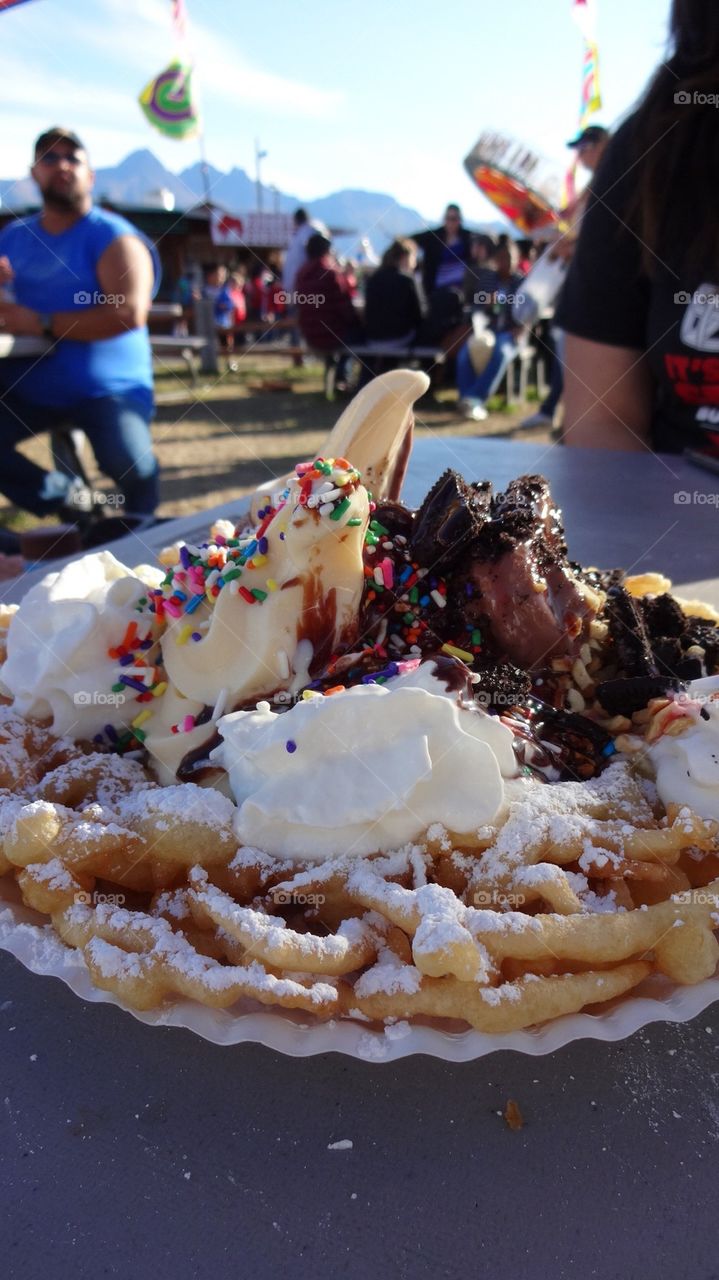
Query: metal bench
{"points": [[373, 359], [515, 380], [189, 348]]}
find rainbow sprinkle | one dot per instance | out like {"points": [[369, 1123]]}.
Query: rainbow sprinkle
{"points": [[201, 573]]}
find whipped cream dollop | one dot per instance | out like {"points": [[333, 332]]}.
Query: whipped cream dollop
{"points": [[687, 762], [59, 664], [367, 769]]}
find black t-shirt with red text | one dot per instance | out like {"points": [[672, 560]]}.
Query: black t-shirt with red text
{"points": [[671, 316]]}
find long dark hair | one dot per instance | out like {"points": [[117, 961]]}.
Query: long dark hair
{"points": [[675, 146]]}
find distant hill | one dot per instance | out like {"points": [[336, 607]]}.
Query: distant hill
{"points": [[139, 178]]}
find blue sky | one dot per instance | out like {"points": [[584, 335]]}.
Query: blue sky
{"points": [[384, 96]]}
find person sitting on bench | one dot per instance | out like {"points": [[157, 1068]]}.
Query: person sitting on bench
{"points": [[393, 312], [82, 278], [497, 293], [327, 318]]}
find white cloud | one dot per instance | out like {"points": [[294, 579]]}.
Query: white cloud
{"points": [[142, 36], [223, 72], [24, 86]]}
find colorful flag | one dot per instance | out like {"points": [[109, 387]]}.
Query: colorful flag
{"points": [[591, 97], [179, 18], [10, 4], [584, 13], [167, 102], [569, 187]]}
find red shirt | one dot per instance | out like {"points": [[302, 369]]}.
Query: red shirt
{"points": [[239, 302], [324, 306]]}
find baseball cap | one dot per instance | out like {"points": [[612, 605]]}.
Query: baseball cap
{"points": [[593, 133], [57, 134]]}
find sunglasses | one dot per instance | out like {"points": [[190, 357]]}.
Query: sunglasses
{"points": [[56, 157]]}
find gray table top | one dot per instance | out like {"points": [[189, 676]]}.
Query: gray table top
{"points": [[638, 511], [120, 1137], [13, 348]]}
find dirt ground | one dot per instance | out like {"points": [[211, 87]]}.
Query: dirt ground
{"points": [[226, 435]]}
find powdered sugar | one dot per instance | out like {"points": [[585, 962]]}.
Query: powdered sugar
{"points": [[54, 874], [388, 976], [187, 801]]}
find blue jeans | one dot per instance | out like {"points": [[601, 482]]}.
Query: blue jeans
{"points": [[118, 428], [472, 386], [556, 377]]}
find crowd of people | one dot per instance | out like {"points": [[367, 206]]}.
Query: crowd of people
{"points": [[442, 290], [634, 332]]}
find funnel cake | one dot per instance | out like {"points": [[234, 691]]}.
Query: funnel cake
{"points": [[367, 763]]}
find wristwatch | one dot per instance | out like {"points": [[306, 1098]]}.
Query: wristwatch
{"points": [[46, 324]]}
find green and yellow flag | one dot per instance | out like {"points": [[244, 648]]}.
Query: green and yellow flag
{"points": [[167, 102]]}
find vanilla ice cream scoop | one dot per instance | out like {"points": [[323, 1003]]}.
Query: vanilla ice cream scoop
{"points": [[375, 431], [255, 614]]}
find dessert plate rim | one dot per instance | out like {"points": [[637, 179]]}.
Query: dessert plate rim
{"points": [[27, 936]]}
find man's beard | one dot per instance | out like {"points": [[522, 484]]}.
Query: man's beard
{"points": [[64, 201]]}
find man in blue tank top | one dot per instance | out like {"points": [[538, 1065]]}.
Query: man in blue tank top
{"points": [[82, 278]]}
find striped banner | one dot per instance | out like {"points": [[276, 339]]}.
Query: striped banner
{"points": [[584, 13], [591, 97], [179, 18]]}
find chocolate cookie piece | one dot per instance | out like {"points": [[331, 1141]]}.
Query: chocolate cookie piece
{"points": [[452, 514], [395, 517], [502, 685], [629, 634], [530, 494], [663, 616], [624, 697], [668, 652], [573, 747], [701, 632], [690, 668], [675, 638]]}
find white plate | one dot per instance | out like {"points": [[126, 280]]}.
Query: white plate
{"points": [[38, 948], [24, 935]]}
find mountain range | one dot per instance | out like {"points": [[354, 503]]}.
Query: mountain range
{"points": [[141, 177]]}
